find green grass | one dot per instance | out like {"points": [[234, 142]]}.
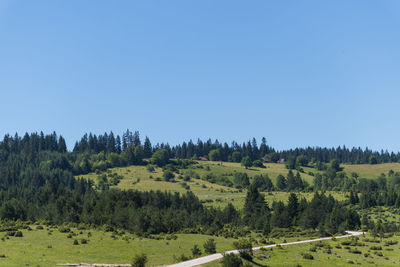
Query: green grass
{"points": [[292, 255], [218, 194], [371, 171], [38, 248], [139, 178], [272, 169]]}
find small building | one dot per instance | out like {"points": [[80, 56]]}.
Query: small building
{"points": [[203, 159]]}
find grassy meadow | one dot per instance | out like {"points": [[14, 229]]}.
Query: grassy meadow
{"points": [[139, 178], [366, 251], [371, 171], [49, 247]]}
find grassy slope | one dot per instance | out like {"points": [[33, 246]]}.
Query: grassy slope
{"points": [[33, 249], [371, 171], [138, 177], [291, 255], [272, 169]]}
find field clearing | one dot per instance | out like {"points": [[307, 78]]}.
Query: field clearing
{"points": [[38, 248], [139, 178], [49, 247], [272, 169], [292, 255], [371, 171]]}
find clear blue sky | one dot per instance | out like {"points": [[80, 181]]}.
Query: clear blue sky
{"points": [[300, 73]]}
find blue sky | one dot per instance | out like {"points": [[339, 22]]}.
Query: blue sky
{"points": [[300, 73]]}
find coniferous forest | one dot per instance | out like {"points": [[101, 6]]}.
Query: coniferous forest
{"points": [[39, 180]]}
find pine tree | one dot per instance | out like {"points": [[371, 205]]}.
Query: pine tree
{"points": [[147, 149], [293, 206]]}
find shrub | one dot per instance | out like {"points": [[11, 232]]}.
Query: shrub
{"points": [[83, 241], [209, 246], [258, 163], [19, 234], [11, 233], [139, 260], [245, 248], [168, 175], [355, 251], [150, 168], [196, 251], [64, 229], [182, 257], [307, 256], [76, 242], [391, 242], [231, 260]]}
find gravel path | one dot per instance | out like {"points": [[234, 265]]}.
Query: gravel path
{"points": [[217, 256]]}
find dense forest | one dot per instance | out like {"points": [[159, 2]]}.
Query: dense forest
{"points": [[38, 182], [233, 152]]}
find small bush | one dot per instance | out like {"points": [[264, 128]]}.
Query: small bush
{"points": [[231, 260], [355, 251], [19, 234], [64, 229], [196, 251], [139, 260], [76, 242], [150, 168], [307, 256], [83, 241], [209, 246], [391, 242], [168, 175]]}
